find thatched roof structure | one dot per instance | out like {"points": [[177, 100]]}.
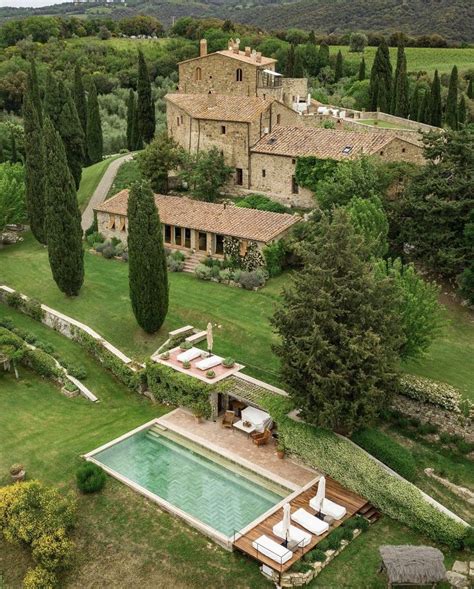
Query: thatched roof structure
{"points": [[413, 565]]}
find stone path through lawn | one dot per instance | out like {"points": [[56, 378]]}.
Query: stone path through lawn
{"points": [[100, 193]]}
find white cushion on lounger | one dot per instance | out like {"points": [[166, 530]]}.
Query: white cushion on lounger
{"points": [[189, 355], [209, 363], [271, 549], [296, 535], [328, 507], [310, 522]]}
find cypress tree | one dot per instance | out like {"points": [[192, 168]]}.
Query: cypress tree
{"points": [[94, 127], [35, 91], [415, 104], [63, 218], [60, 108], [338, 73], [435, 102], [35, 165], [312, 37], [14, 154], [470, 90], [451, 116], [130, 119], [380, 89], [136, 138], [424, 115], [400, 87], [323, 57], [80, 98], [148, 279], [462, 110], [362, 70], [145, 105], [290, 62]]}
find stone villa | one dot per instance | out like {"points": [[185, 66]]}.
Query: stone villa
{"points": [[193, 225], [261, 122]]}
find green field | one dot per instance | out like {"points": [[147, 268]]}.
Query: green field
{"points": [[424, 59], [242, 317], [380, 124]]}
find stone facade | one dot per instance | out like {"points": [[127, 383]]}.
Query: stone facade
{"points": [[399, 150]]}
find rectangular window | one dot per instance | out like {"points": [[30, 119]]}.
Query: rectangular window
{"points": [[177, 121], [294, 186], [278, 119], [220, 244], [187, 238], [243, 247], [203, 241], [177, 235], [223, 130], [264, 173], [167, 234], [239, 176], [181, 118], [111, 222]]}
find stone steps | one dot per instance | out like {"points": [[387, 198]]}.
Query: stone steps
{"points": [[192, 261]]}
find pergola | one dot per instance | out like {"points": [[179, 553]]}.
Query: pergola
{"points": [[412, 565]]}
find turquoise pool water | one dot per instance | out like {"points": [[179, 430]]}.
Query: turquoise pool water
{"points": [[209, 491]]}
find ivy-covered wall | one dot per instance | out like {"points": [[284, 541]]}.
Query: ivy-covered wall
{"points": [[310, 170]]}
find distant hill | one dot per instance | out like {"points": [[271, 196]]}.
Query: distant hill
{"points": [[454, 19]]}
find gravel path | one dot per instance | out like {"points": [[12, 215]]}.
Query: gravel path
{"points": [[100, 193]]}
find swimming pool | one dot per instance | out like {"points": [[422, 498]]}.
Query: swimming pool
{"points": [[211, 489]]}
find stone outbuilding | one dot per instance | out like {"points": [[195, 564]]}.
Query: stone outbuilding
{"points": [[274, 156], [196, 226]]}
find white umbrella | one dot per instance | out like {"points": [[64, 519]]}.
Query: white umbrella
{"points": [[210, 339], [320, 495], [286, 521]]}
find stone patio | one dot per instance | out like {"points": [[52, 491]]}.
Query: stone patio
{"points": [[237, 446]]}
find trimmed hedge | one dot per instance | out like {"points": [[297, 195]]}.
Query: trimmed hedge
{"points": [[327, 452], [429, 391], [90, 478], [388, 451], [170, 386]]}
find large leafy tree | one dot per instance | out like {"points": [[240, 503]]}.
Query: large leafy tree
{"points": [[35, 165], [400, 103], [339, 333], [437, 203], [451, 114], [148, 280], [95, 142], [145, 104], [61, 109], [12, 194], [80, 99], [380, 89], [161, 156], [63, 218], [370, 221], [436, 112], [205, 172], [418, 309]]}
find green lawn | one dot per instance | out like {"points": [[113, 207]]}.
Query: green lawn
{"points": [[242, 317], [380, 124], [91, 177], [424, 59]]}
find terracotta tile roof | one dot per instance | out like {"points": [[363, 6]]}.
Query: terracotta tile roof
{"points": [[239, 56], [323, 143], [216, 218], [241, 109]]}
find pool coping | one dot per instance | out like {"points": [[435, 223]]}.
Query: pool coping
{"points": [[218, 537]]}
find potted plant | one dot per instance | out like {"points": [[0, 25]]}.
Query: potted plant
{"points": [[165, 355], [185, 346], [210, 374], [17, 472], [186, 364], [281, 451], [228, 362]]}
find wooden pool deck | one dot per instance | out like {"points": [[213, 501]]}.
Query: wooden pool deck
{"points": [[334, 491]]}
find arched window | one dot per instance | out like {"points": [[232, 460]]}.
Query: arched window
{"points": [[198, 74], [239, 74]]}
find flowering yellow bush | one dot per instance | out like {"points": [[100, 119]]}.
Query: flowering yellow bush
{"points": [[39, 578]]}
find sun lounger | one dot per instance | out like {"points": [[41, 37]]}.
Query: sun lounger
{"points": [[310, 522], [209, 363], [330, 508], [189, 355], [269, 548], [296, 535]]}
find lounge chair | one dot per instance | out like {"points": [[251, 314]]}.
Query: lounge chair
{"points": [[301, 537], [261, 438], [309, 522], [209, 363], [228, 419], [271, 549], [189, 355], [330, 508]]}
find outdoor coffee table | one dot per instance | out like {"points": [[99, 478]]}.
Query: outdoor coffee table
{"points": [[248, 429]]}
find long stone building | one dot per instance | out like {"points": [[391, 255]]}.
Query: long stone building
{"points": [[235, 100]]}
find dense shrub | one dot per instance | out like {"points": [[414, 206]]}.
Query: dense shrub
{"points": [[76, 370], [203, 272], [261, 203], [39, 578], [42, 363], [429, 391], [90, 478], [174, 265], [252, 280], [274, 255], [108, 251], [94, 238], [14, 299], [387, 451], [316, 555]]}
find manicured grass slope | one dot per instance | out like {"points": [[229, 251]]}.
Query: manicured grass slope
{"points": [[91, 177]]}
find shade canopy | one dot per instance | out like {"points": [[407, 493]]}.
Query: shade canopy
{"points": [[286, 520], [320, 494], [209, 337]]}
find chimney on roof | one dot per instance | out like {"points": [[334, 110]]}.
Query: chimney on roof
{"points": [[247, 51], [259, 57], [237, 46], [230, 44], [211, 99], [202, 48], [254, 55]]}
